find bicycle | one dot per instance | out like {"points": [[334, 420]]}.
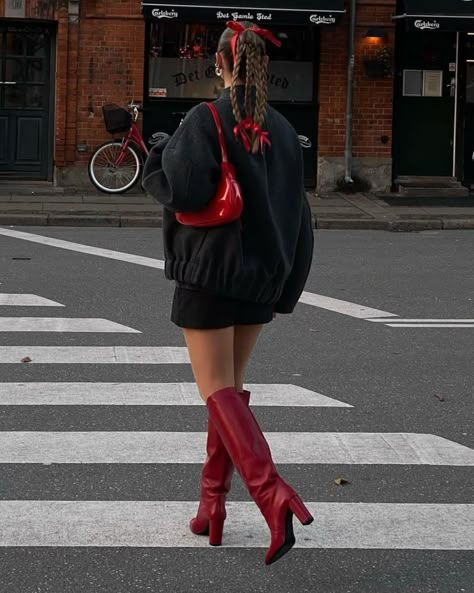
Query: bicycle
{"points": [[115, 166]]}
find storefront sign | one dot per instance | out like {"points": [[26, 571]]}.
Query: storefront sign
{"points": [[279, 12], [424, 25], [196, 78], [160, 93], [437, 15], [241, 16], [319, 19], [165, 14]]}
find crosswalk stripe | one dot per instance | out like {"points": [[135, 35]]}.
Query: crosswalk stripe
{"points": [[189, 448], [343, 307], [433, 325], [94, 355], [422, 320], [62, 325], [87, 249], [26, 300], [150, 394], [164, 524]]}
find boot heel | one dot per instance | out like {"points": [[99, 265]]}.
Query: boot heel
{"points": [[216, 529], [297, 507]]}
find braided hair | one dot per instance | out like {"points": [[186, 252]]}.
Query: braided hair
{"points": [[250, 66]]}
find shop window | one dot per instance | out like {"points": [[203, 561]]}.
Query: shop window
{"points": [[182, 63], [422, 83]]}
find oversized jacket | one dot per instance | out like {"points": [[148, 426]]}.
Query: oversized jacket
{"points": [[266, 256]]}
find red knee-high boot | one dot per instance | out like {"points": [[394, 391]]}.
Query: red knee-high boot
{"points": [[251, 455], [215, 485]]}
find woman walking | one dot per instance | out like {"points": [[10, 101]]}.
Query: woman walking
{"points": [[232, 279]]}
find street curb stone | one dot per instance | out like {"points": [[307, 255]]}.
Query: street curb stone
{"points": [[24, 219], [458, 224], [410, 225], [78, 220], [352, 224]]}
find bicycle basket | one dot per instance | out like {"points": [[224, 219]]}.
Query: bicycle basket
{"points": [[117, 119]]}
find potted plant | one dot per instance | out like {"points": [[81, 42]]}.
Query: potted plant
{"points": [[380, 65]]}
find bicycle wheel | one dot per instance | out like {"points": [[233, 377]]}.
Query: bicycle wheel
{"points": [[107, 175]]}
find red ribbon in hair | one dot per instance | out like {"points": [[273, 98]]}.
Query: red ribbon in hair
{"points": [[239, 29], [248, 126]]}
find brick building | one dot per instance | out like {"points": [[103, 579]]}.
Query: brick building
{"points": [[61, 60]]}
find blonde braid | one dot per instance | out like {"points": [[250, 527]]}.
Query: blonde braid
{"points": [[251, 57], [240, 51], [257, 77]]}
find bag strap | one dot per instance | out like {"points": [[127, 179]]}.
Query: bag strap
{"points": [[220, 132]]}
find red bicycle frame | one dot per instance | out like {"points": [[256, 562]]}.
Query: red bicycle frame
{"points": [[134, 136]]}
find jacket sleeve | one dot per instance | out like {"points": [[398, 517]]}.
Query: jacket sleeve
{"points": [[183, 173], [301, 266]]}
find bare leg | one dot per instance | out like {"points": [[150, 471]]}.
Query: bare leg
{"points": [[245, 338], [212, 358]]}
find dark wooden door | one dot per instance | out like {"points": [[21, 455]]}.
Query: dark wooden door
{"points": [[423, 124], [25, 101]]}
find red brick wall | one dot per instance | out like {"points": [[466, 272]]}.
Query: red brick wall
{"points": [[110, 63], [373, 98]]}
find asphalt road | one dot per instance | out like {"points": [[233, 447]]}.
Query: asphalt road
{"points": [[397, 425]]}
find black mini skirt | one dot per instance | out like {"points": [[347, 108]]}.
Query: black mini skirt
{"points": [[194, 308]]}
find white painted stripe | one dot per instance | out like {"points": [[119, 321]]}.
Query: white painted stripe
{"points": [[164, 524], [437, 325], [63, 325], [189, 447], [308, 298], [422, 320], [150, 394], [94, 355], [343, 307], [26, 300], [87, 249]]}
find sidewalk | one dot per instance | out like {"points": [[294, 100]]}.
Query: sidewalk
{"points": [[41, 205]]}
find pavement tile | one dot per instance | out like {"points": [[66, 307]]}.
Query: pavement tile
{"points": [[122, 199], [35, 199], [139, 208]]}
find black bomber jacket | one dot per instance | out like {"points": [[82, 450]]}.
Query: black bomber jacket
{"points": [[266, 256]]}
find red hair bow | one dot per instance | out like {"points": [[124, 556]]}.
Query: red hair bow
{"points": [[239, 29], [246, 126]]}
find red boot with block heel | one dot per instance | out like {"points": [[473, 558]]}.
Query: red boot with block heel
{"points": [[251, 455], [215, 485]]}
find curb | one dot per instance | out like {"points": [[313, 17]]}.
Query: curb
{"points": [[155, 221]]}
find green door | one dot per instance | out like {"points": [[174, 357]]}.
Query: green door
{"points": [[25, 95], [424, 103]]}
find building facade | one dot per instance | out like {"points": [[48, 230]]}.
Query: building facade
{"points": [[62, 60]]}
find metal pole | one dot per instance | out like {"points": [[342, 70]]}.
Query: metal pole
{"points": [[456, 95], [350, 95]]}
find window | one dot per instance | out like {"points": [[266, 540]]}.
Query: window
{"points": [[182, 63], [422, 83]]}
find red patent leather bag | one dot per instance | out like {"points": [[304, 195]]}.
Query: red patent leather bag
{"points": [[226, 206]]}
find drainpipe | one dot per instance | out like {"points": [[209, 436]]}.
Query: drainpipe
{"points": [[350, 95]]}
